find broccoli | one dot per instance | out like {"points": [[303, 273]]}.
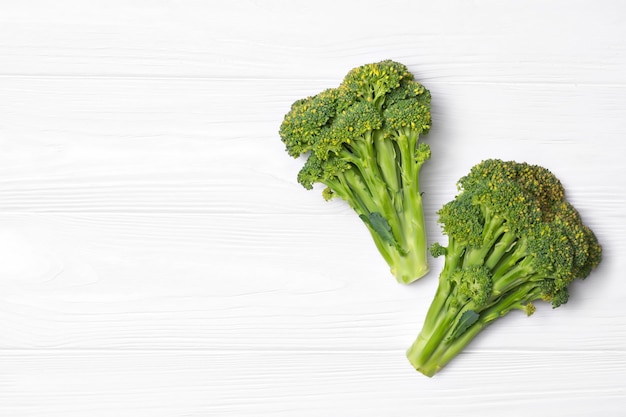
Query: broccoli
{"points": [[361, 141], [513, 239]]}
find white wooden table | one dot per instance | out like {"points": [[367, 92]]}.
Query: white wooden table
{"points": [[158, 258]]}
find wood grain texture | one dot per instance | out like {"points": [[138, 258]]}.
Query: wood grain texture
{"points": [[309, 383], [158, 258]]}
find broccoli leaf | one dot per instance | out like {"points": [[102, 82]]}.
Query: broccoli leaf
{"points": [[467, 319], [381, 226]]}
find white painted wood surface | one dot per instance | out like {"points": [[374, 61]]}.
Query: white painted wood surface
{"points": [[158, 258]]}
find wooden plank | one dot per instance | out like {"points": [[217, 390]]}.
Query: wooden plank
{"points": [[259, 383], [555, 42]]}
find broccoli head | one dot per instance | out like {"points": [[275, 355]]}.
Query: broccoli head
{"points": [[361, 141], [513, 240]]}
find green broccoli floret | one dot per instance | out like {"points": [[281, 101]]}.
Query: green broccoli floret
{"points": [[513, 239], [361, 140]]}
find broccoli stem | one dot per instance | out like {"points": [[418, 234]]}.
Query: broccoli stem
{"points": [[514, 286], [429, 354], [387, 160], [384, 180], [413, 219], [350, 187], [441, 314], [407, 268], [364, 159]]}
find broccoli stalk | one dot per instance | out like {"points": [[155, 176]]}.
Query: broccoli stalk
{"points": [[513, 239], [361, 141]]}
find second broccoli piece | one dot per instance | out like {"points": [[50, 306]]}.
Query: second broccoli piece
{"points": [[361, 140], [513, 239]]}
